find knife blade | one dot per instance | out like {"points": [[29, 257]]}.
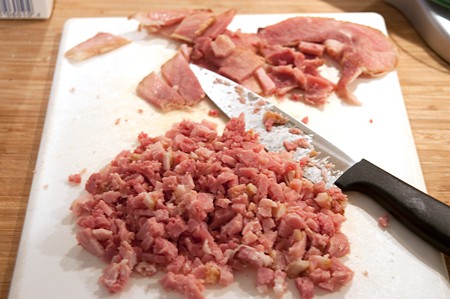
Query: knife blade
{"points": [[424, 215]]}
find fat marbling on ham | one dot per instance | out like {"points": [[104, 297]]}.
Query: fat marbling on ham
{"points": [[200, 207]]}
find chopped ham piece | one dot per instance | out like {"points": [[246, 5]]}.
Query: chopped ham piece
{"points": [[297, 131], [222, 46], [317, 90], [201, 206], [278, 55], [305, 287], [75, 178], [272, 118], [193, 25], [146, 269], [188, 285], [88, 241], [213, 113], [264, 279], [101, 43], [252, 83], [179, 76], [311, 48], [220, 25], [267, 85], [156, 91], [293, 145], [153, 21], [383, 221], [287, 78], [240, 64], [115, 276]]}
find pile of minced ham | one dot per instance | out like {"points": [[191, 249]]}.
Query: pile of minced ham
{"points": [[201, 206]]}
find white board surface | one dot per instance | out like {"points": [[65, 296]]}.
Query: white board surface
{"points": [[94, 113]]}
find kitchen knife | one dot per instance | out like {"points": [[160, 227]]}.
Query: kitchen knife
{"points": [[424, 215]]}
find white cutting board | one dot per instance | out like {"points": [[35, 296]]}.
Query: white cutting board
{"points": [[93, 114]]}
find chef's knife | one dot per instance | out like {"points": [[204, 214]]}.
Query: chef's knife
{"points": [[422, 214]]}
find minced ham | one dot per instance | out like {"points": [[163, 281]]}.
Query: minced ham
{"points": [[74, 178], [200, 206]]}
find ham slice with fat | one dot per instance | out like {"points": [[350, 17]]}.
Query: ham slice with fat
{"points": [[178, 74], [153, 21], [99, 44], [157, 92]]}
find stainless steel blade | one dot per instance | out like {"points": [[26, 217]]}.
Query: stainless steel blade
{"points": [[327, 162]]}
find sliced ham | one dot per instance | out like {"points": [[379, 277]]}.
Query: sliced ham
{"points": [[240, 64], [360, 50], [156, 91], [101, 43], [153, 21], [220, 25], [283, 58], [180, 77], [193, 25]]}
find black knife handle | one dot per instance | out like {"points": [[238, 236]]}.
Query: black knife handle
{"points": [[424, 215]]}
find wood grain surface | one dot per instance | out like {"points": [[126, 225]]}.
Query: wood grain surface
{"points": [[28, 52]]}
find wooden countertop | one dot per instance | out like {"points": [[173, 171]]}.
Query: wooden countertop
{"points": [[28, 52]]}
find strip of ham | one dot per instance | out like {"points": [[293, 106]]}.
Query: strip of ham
{"points": [[177, 88], [99, 44], [153, 21], [199, 206], [361, 50], [193, 25], [220, 25]]}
